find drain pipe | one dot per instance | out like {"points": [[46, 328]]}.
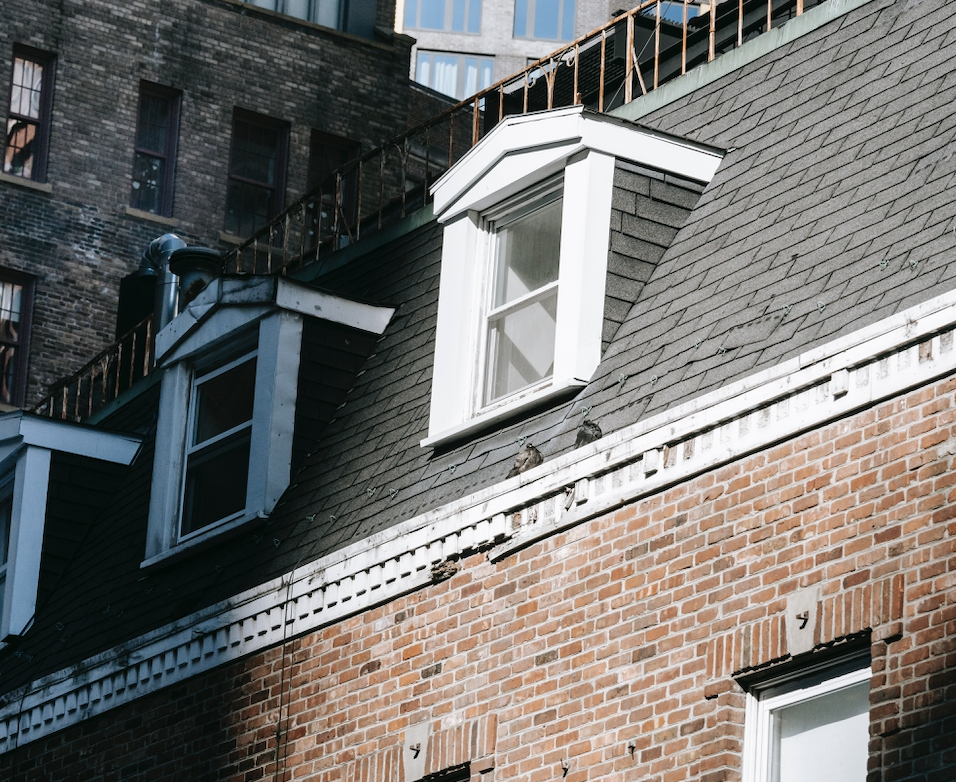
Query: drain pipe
{"points": [[155, 262]]}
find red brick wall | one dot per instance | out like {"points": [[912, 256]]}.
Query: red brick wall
{"points": [[625, 630]]}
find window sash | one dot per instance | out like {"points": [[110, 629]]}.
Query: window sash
{"points": [[500, 371], [16, 312], [222, 446], [30, 129], [252, 201], [152, 191]]}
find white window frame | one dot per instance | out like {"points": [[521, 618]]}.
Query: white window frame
{"points": [[201, 376], [519, 154], [762, 702]]}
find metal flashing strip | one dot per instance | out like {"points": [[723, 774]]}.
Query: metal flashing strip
{"points": [[908, 350]]}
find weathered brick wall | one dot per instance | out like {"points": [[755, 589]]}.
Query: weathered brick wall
{"points": [[625, 630], [78, 239]]}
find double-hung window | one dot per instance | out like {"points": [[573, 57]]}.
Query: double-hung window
{"points": [[814, 725], [155, 150], [217, 450], [27, 131], [521, 320], [256, 172]]}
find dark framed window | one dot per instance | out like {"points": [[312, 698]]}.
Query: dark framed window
{"points": [[328, 13], [154, 155], [454, 16], [257, 162], [27, 135], [328, 153], [549, 20], [16, 312]]}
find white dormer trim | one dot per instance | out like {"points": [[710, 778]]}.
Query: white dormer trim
{"points": [[26, 447], [509, 167], [525, 149]]}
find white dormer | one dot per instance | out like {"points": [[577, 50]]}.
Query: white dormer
{"points": [[526, 217], [227, 411]]}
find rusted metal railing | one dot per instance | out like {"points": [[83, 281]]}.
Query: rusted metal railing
{"points": [[101, 380], [633, 54], [630, 56]]}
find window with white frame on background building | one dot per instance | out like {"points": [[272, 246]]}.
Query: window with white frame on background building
{"points": [[457, 75], [810, 725], [257, 162], [27, 134], [453, 16], [550, 20], [154, 156]]}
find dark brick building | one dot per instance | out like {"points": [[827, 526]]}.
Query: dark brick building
{"points": [[125, 121]]}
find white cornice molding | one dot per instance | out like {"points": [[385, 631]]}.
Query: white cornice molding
{"points": [[853, 372], [527, 148]]}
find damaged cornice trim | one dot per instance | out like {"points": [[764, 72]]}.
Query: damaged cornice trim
{"points": [[907, 350]]}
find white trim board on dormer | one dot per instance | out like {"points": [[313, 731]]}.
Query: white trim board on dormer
{"points": [[250, 299], [522, 150]]}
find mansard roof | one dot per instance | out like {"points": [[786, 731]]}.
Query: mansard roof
{"points": [[831, 211]]}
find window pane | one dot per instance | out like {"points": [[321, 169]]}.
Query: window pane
{"points": [[823, 739], [474, 16], [255, 152], [521, 347], [458, 16], [21, 148], [521, 18], [567, 20], [327, 13], [546, 19], [148, 172], [433, 15], [528, 253], [445, 78], [411, 12], [153, 124], [225, 402], [216, 483], [26, 88]]}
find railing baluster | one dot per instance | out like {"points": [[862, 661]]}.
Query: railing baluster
{"points": [[630, 59], [683, 45], [657, 44], [285, 243], [740, 22], [358, 204], [601, 80], [577, 58], [712, 35], [474, 122]]}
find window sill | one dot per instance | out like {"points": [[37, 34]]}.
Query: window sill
{"points": [[171, 222], [230, 238], [29, 184], [499, 414], [201, 541]]}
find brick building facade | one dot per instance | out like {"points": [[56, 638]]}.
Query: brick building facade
{"points": [[763, 525], [74, 228]]}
